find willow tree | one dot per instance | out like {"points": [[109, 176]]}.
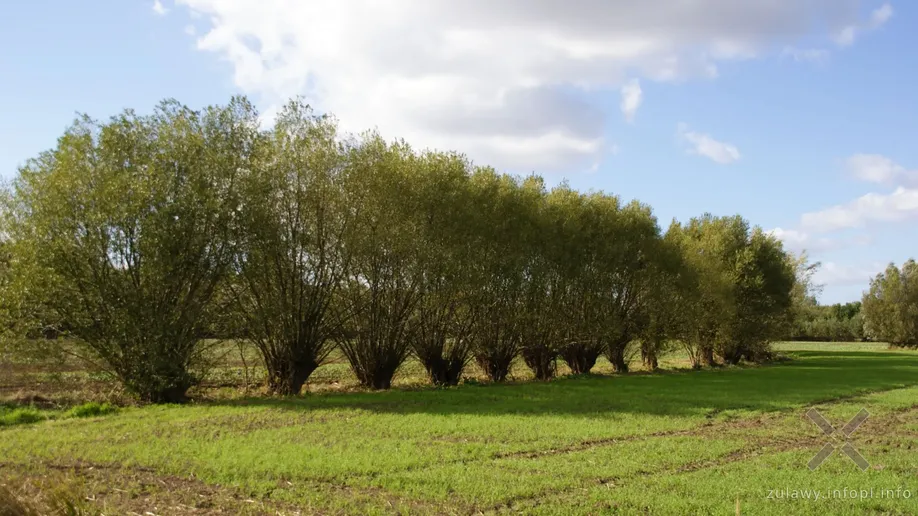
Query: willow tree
{"points": [[383, 284], [764, 281], [664, 315], [293, 255], [709, 245], [629, 274], [544, 289], [444, 315], [890, 307], [497, 271], [589, 225], [744, 290], [127, 226]]}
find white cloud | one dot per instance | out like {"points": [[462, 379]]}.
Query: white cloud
{"points": [[791, 237], [847, 34], [797, 240], [836, 275], [875, 168], [159, 8], [900, 205], [503, 81], [806, 54], [632, 96], [880, 16], [705, 145]]}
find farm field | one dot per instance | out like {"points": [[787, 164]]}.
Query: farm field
{"points": [[674, 442]]}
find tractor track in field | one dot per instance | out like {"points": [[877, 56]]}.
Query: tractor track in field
{"points": [[111, 478], [757, 448], [703, 430]]}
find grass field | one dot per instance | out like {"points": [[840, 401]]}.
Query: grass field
{"points": [[674, 442]]}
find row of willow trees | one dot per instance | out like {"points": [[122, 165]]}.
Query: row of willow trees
{"points": [[140, 236]]}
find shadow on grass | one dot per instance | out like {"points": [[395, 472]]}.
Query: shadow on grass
{"points": [[814, 376]]}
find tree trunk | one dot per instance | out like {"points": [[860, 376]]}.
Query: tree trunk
{"points": [[176, 394], [287, 377], [616, 356], [542, 360], [707, 356], [649, 358], [444, 372], [581, 356], [616, 351], [497, 367]]}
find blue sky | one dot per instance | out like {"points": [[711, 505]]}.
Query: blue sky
{"points": [[800, 115]]}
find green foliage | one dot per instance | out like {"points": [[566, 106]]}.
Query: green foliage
{"points": [[742, 291], [143, 236], [20, 416], [890, 307], [383, 285], [444, 315], [293, 251], [123, 232], [837, 323]]}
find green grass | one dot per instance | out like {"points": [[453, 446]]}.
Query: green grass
{"points": [[92, 409], [20, 416], [677, 442]]}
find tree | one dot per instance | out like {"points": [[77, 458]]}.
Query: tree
{"points": [[662, 317], [890, 307], [543, 284], [590, 223], [498, 294], [626, 280], [293, 253], [383, 286], [127, 230], [445, 314], [744, 289], [764, 280]]}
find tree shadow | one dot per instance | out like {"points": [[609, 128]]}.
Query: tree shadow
{"points": [[814, 376]]}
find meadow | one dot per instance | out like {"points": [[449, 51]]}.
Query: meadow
{"points": [[716, 441]]}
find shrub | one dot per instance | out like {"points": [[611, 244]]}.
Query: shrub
{"points": [[20, 416]]}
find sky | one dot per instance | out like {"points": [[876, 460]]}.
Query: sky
{"points": [[800, 115]]}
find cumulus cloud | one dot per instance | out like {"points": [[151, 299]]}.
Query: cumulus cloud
{"points": [[159, 8], [502, 81], [704, 145], [847, 34], [875, 168], [797, 240], [902, 204], [632, 96], [836, 275]]}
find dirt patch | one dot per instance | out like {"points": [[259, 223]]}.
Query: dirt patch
{"points": [[115, 489]]}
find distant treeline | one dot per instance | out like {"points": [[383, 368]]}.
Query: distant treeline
{"points": [[828, 323]]}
